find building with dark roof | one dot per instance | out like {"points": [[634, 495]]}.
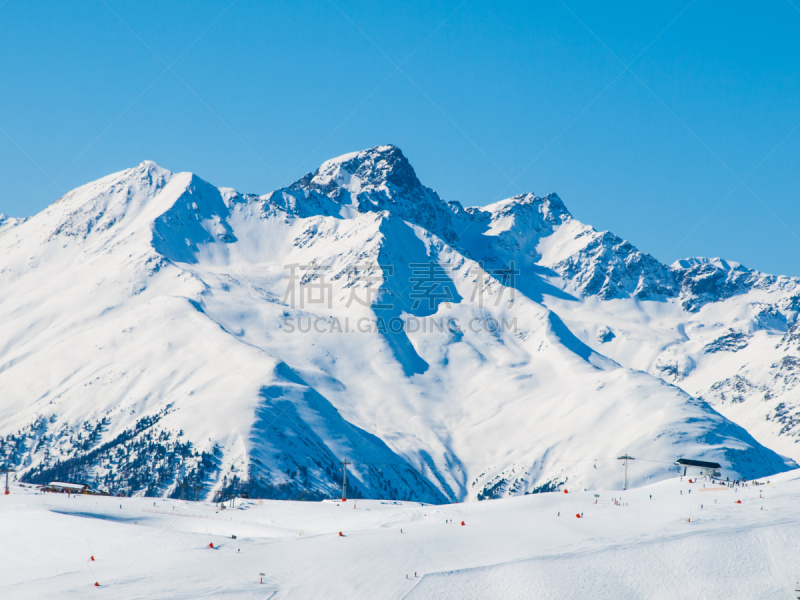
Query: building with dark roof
{"points": [[701, 467]]}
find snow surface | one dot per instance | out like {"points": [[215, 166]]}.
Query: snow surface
{"points": [[627, 545]]}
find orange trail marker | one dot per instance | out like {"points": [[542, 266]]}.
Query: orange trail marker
{"points": [[340, 534], [565, 491], [96, 584], [462, 522]]}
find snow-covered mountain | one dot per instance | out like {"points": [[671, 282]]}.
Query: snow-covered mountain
{"points": [[156, 329]]}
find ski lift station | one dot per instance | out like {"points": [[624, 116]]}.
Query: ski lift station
{"points": [[63, 487], [699, 467]]}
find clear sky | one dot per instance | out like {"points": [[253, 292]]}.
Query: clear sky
{"points": [[670, 124]]}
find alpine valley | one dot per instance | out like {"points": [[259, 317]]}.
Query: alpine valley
{"points": [[156, 329]]}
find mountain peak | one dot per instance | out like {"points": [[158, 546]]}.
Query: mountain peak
{"points": [[375, 180], [7, 222], [146, 173], [368, 170], [716, 262], [550, 207], [151, 170]]}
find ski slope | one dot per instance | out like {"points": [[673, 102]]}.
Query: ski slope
{"points": [[666, 546]]}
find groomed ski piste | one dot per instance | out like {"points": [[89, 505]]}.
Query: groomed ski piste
{"points": [[671, 539]]}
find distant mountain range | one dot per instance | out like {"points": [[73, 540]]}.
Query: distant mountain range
{"points": [[157, 329]]}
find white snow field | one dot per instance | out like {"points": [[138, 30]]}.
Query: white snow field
{"points": [[680, 544]]}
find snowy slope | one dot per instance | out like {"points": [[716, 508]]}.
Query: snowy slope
{"points": [[720, 331], [658, 541], [152, 332]]}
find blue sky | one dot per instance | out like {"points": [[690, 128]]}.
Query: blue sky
{"points": [[670, 124]]}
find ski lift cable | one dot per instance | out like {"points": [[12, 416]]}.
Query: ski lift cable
{"points": [[497, 464]]}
